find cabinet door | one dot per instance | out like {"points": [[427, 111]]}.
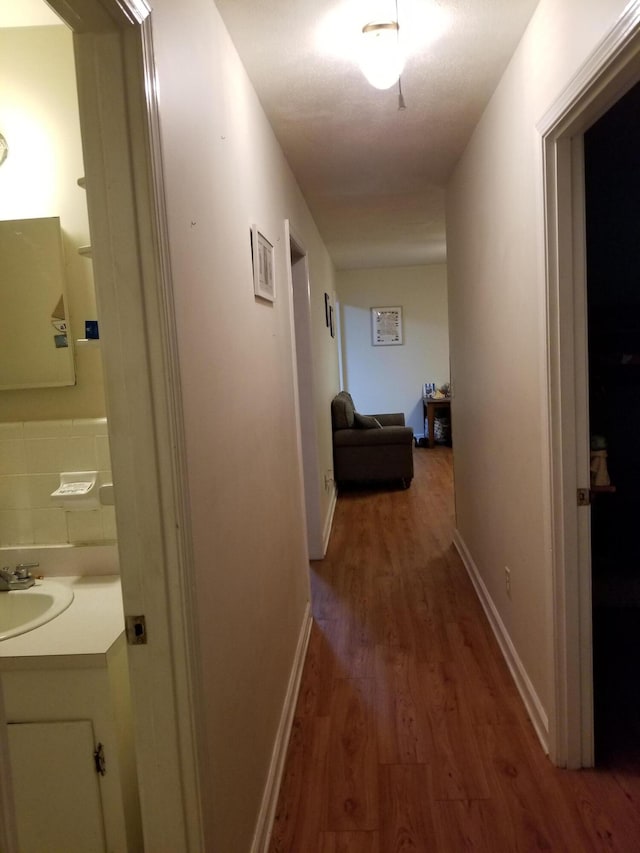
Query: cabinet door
{"points": [[55, 786]]}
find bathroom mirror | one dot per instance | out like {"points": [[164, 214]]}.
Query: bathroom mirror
{"points": [[35, 341]]}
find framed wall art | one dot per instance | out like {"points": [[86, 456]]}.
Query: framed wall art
{"points": [[264, 282], [386, 326]]}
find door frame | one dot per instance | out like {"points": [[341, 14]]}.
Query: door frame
{"points": [[609, 72], [119, 118], [302, 348]]}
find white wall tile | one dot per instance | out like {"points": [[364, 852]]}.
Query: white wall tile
{"points": [[15, 527], [79, 453], [49, 526], [90, 426], [11, 430], [44, 455], [47, 429], [103, 453], [109, 529], [32, 457], [12, 456], [14, 492], [40, 488], [84, 526]]}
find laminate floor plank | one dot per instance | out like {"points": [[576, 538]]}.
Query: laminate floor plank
{"points": [[404, 732], [349, 842], [352, 762], [458, 771], [322, 666], [532, 805], [471, 826], [301, 803], [393, 624], [604, 809], [611, 818], [430, 633], [409, 734], [406, 822], [491, 695]]}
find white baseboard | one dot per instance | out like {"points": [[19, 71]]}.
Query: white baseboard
{"points": [[329, 520], [262, 835], [319, 548], [525, 687]]}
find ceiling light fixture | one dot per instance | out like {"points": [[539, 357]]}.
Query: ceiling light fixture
{"points": [[381, 60]]}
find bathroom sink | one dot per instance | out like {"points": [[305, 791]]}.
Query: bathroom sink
{"points": [[23, 610]]}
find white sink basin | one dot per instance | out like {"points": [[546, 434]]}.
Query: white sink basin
{"points": [[22, 610]]}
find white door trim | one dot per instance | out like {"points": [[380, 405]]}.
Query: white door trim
{"points": [[302, 347], [119, 118], [611, 70]]}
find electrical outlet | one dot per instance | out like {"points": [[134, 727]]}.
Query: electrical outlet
{"points": [[507, 580]]}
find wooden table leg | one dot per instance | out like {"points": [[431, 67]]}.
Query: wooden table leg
{"points": [[431, 421]]}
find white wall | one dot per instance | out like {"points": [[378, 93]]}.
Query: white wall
{"points": [[496, 299], [224, 170], [39, 119], [391, 378]]}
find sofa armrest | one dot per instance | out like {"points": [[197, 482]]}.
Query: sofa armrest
{"points": [[393, 419]]}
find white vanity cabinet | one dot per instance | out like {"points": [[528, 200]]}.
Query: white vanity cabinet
{"points": [[69, 733], [57, 793]]}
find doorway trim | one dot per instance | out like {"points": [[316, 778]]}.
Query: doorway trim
{"points": [[302, 347], [607, 74], [119, 117]]}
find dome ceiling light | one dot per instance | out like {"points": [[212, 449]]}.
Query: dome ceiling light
{"points": [[381, 60]]}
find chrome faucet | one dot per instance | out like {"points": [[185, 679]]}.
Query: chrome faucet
{"points": [[20, 578]]}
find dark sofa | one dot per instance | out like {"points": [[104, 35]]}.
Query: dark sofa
{"points": [[369, 448]]}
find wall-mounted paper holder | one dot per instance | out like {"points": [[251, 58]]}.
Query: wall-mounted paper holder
{"points": [[77, 490]]}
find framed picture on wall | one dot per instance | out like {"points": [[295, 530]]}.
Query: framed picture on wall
{"points": [[332, 327], [386, 326], [327, 306], [264, 281]]}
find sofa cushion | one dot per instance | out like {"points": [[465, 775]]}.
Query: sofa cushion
{"points": [[368, 437], [366, 421], [342, 411]]}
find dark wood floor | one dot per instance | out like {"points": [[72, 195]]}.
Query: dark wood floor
{"points": [[409, 734]]}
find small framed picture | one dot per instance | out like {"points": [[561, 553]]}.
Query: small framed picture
{"points": [[332, 327], [327, 306], [386, 326], [264, 282]]}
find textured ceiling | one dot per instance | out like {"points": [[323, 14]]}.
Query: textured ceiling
{"points": [[372, 175]]}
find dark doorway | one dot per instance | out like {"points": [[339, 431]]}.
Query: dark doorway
{"points": [[612, 178]]}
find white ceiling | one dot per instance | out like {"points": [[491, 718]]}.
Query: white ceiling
{"points": [[374, 176]]}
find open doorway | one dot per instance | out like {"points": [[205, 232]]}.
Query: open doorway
{"points": [[606, 76], [612, 202], [54, 717], [119, 127], [299, 279]]}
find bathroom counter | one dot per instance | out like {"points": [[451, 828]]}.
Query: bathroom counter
{"points": [[82, 634]]}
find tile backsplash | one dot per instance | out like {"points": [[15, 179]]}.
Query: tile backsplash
{"points": [[32, 456]]}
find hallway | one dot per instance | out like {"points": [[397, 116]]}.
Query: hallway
{"points": [[409, 734]]}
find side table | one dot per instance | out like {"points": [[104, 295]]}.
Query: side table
{"points": [[429, 406]]}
